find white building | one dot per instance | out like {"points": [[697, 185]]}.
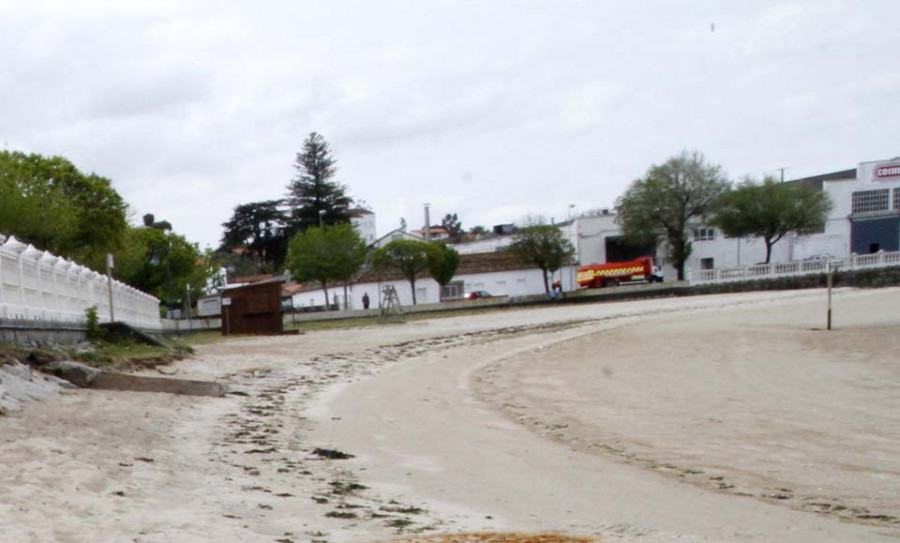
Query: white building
{"points": [[499, 239], [498, 273], [394, 235], [865, 218], [363, 221]]}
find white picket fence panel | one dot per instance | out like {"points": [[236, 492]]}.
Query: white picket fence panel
{"points": [[38, 286], [775, 270]]}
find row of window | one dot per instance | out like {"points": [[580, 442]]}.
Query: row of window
{"points": [[709, 234], [869, 201]]}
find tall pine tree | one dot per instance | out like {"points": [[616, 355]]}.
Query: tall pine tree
{"points": [[315, 198]]}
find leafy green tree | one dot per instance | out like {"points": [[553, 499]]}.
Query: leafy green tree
{"points": [[26, 207], [48, 202], [326, 254], [100, 219], [163, 264], [667, 200], [315, 198], [544, 246], [478, 231], [770, 210], [454, 228], [260, 228], [443, 261], [410, 257]]}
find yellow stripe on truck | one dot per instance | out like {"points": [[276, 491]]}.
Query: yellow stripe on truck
{"points": [[618, 271]]}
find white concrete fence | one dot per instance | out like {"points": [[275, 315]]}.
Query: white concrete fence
{"points": [[775, 270], [38, 286]]}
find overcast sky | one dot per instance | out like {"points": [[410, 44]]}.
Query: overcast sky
{"points": [[491, 109]]}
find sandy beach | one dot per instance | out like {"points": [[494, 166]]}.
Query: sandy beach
{"points": [[717, 418]]}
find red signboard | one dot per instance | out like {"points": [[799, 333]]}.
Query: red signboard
{"points": [[884, 172]]}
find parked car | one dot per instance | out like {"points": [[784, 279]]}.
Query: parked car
{"points": [[821, 258], [478, 294]]}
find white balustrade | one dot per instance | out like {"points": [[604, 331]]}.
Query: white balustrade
{"points": [[789, 269], [38, 286]]}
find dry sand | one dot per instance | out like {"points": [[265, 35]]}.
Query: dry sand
{"points": [[722, 418]]}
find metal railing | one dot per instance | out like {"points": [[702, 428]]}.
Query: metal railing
{"points": [[775, 270], [39, 286]]}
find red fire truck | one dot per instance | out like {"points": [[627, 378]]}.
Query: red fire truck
{"points": [[639, 270]]}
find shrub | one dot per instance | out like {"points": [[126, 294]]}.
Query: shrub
{"points": [[95, 332]]}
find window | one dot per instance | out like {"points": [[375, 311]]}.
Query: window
{"points": [[897, 199], [704, 234], [707, 263], [867, 201], [453, 290]]}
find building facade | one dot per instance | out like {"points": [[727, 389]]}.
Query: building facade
{"points": [[864, 219], [363, 221]]}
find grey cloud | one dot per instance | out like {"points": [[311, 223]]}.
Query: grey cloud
{"points": [[192, 108]]}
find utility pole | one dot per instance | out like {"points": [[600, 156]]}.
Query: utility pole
{"points": [[110, 263], [427, 223], [574, 240], [187, 308], [782, 173]]}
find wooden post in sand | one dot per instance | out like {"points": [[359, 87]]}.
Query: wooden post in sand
{"points": [[829, 271]]}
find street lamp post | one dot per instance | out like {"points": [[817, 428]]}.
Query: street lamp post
{"points": [[575, 244], [155, 260]]}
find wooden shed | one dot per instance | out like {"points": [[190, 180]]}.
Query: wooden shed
{"points": [[253, 309]]}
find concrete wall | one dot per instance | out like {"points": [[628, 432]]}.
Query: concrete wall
{"points": [[33, 332]]}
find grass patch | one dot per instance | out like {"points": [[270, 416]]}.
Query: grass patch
{"points": [[362, 322], [130, 355], [335, 324], [199, 338]]}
